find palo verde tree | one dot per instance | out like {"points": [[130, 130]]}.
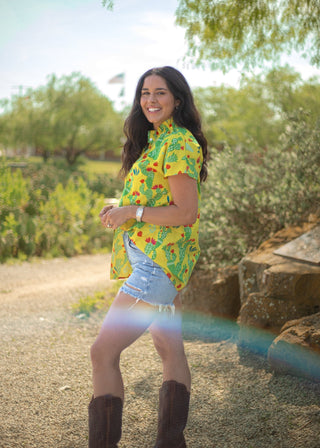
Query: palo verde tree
{"points": [[68, 116]]}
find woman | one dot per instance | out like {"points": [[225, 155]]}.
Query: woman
{"points": [[156, 246]]}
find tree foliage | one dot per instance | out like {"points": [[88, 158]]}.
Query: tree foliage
{"points": [[68, 116], [230, 33], [256, 113], [233, 117], [108, 4]]}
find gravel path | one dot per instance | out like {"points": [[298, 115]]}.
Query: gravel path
{"points": [[46, 375]]}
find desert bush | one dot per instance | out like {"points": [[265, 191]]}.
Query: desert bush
{"points": [[68, 222], [250, 194], [45, 177], [16, 225], [107, 186], [49, 211]]}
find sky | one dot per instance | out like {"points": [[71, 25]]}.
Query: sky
{"points": [[42, 37]]}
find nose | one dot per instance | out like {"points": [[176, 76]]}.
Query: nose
{"points": [[152, 98]]}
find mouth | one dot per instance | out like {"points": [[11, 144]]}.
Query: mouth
{"points": [[153, 109]]}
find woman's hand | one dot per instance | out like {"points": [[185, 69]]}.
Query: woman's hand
{"points": [[102, 215], [113, 217], [182, 212]]}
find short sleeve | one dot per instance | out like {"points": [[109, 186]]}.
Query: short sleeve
{"points": [[183, 156]]}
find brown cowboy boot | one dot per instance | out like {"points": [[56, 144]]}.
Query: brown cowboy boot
{"points": [[173, 414], [105, 419]]}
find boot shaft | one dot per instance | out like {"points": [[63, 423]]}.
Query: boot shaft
{"points": [[105, 421], [173, 415]]}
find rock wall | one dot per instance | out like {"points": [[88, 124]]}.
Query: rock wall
{"points": [[275, 289], [213, 292], [266, 292]]}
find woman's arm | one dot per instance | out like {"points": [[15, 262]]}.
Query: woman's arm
{"points": [[183, 211]]}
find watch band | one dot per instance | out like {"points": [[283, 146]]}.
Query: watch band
{"points": [[139, 213]]}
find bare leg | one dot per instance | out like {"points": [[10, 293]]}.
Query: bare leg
{"points": [[124, 323], [167, 338]]}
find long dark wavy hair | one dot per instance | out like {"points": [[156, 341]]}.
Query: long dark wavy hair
{"points": [[136, 125]]}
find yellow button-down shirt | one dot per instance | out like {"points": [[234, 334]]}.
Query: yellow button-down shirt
{"points": [[171, 150]]}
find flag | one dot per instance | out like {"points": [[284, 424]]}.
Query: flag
{"points": [[118, 79]]}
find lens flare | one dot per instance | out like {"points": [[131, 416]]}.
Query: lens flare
{"points": [[283, 357]]}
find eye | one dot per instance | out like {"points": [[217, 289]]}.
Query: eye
{"points": [[144, 93]]}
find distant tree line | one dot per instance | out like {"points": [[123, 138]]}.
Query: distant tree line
{"points": [[257, 112], [68, 116]]}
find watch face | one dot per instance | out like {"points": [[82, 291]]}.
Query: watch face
{"points": [[139, 214]]}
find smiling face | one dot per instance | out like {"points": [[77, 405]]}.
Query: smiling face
{"points": [[156, 101]]}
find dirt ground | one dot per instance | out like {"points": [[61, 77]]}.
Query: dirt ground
{"points": [[45, 388]]}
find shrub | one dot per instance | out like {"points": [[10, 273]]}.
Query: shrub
{"points": [[68, 222], [44, 178], [108, 186], [251, 194], [16, 226], [99, 301], [48, 210]]}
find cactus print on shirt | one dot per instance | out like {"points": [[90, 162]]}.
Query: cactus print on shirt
{"points": [[171, 150]]}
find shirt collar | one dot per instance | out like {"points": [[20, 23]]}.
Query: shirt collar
{"points": [[165, 127]]}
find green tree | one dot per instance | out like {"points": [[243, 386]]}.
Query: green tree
{"points": [[108, 4], [14, 128], [233, 117], [257, 112], [289, 93], [230, 33], [69, 116]]}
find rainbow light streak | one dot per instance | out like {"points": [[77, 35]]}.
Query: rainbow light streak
{"points": [[286, 358]]}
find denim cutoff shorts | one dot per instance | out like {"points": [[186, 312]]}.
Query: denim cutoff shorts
{"points": [[151, 283]]}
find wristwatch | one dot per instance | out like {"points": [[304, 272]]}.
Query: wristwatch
{"points": [[139, 213]]}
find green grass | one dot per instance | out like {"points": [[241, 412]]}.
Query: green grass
{"points": [[34, 159], [99, 301], [86, 305], [101, 167], [111, 167]]}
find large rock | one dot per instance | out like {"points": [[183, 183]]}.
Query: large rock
{"points": [[213, 292], [252, 267], [275, 289], [297, 349], [293, 281], [270, 313]]}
